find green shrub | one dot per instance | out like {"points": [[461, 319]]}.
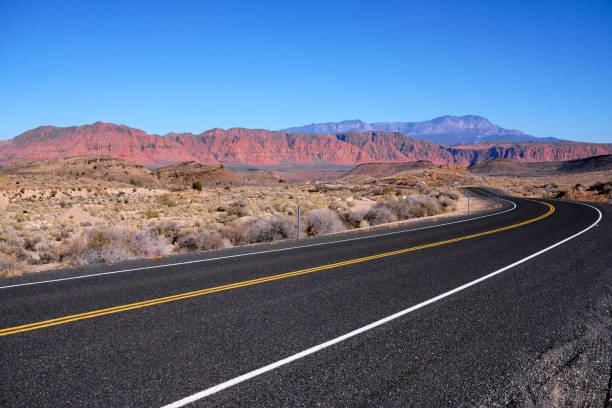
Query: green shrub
{"points": [[197, 186]]}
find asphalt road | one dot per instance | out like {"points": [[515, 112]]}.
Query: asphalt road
{"points": [[453, 351]]}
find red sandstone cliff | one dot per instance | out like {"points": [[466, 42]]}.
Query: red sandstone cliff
{"points": [[263, 147], [49, 142]]}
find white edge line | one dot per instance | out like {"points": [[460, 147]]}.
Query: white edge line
{"points": [[212, 390], [254, 253]]}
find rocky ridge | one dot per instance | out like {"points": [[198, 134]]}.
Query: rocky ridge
{"points": [[264, 147]]}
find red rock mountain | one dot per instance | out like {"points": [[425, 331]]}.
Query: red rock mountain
{"points": [[263, 147]]}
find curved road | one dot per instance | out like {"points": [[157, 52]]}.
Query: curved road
{"points": [[364, 310]]}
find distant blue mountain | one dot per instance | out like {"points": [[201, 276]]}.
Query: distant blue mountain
{"points": [[446, 130]]}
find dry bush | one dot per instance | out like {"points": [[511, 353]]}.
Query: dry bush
{"points": [[236, 233], [166, 200], [354, 219], [399, 207], [248, 231], [11, 268], [116, 244], [601, 187], [284, 227], [323, 221], [380, 214], [237, 208], [151, 213], [423, 206], [413, 206], [448, 194], [66, 251], [388, 189], [200, 241], [169, 230], [19, 253], [47, 257], [255, 230]]}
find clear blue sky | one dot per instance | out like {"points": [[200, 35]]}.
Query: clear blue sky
{"points": [[541, 67]]}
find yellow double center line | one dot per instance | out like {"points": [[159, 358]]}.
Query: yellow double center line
{"points": [[152, 302]]}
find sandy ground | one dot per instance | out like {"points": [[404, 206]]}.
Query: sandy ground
{"points": [[3, 201], [77, 214]]}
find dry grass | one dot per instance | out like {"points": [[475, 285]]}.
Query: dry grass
{"points": [[50, 221], [592, 186]]}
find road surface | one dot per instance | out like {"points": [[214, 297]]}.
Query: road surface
{"points": [[438, 313]]}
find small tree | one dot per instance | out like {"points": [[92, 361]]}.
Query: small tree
{"points": [[197, 186]]}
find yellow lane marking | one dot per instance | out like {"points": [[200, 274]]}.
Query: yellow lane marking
{"points": [[180, 296]]}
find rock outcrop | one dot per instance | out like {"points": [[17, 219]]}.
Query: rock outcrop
{"points": [[506, 167], [386, 169], [187, 172], [264, 147]]}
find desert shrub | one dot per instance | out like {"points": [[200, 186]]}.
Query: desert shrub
{"points": [[334, 205], [68, 250], [166, 200], [388, 189], [601, 187], [168, 229], [353, 219], [253, 230], [30, 241], [236, 233], [284, 227], [322, 221], [61, 234], [116, 244], [10, 267], [237, 208], [276, 228], [401, 208], [42, 245], [449, 194], [380, 214], [197, 186], [151, 213], [200, 241], [260, 231], [46, 257], [14, 246], [446, 203], [414, 206], [423, 206], [247, 231]]}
